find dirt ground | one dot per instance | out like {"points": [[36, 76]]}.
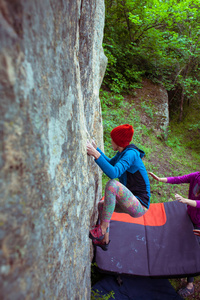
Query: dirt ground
{"points": [[180, 283]]}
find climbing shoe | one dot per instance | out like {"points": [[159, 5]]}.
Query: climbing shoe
{"points": [[101, 244], [96, 233]]}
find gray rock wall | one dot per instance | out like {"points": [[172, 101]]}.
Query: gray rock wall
{"points": [[152, 99], [51, 68]]}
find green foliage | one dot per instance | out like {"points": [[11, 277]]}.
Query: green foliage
{"points": [[110, 100], [95, 295], [172, 154], [194, 126], [188, 130], [147, 108], [95, 277], [116, 78], [174, 142], [158, 39]]}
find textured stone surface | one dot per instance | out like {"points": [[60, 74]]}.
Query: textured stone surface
{"points": [[51, 68], [153, 100]]}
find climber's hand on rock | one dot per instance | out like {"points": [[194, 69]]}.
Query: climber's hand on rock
{"points": [[92, 151], [94, 144]]}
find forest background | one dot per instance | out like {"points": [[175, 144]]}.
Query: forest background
{"points": [[159, 41]]}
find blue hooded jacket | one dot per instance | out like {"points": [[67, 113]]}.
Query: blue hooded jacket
{"points": [[129, 168]]}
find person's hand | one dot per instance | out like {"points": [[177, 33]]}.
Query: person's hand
{"points": [[154, 176], [180, 199], [94, 144], [196, 232], [163, 179], [185, 201], [91, 150]]}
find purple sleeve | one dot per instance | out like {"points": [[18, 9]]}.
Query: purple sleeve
{"points": [[198, 203], [180, 179]]}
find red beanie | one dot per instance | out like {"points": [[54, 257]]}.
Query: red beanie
{"points": [[122, 135]]}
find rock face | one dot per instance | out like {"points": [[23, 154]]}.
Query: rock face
{"points": [[152, 100], [51, 68]]}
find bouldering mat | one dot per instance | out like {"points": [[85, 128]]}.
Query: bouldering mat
{"points": [[159, 244]]}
